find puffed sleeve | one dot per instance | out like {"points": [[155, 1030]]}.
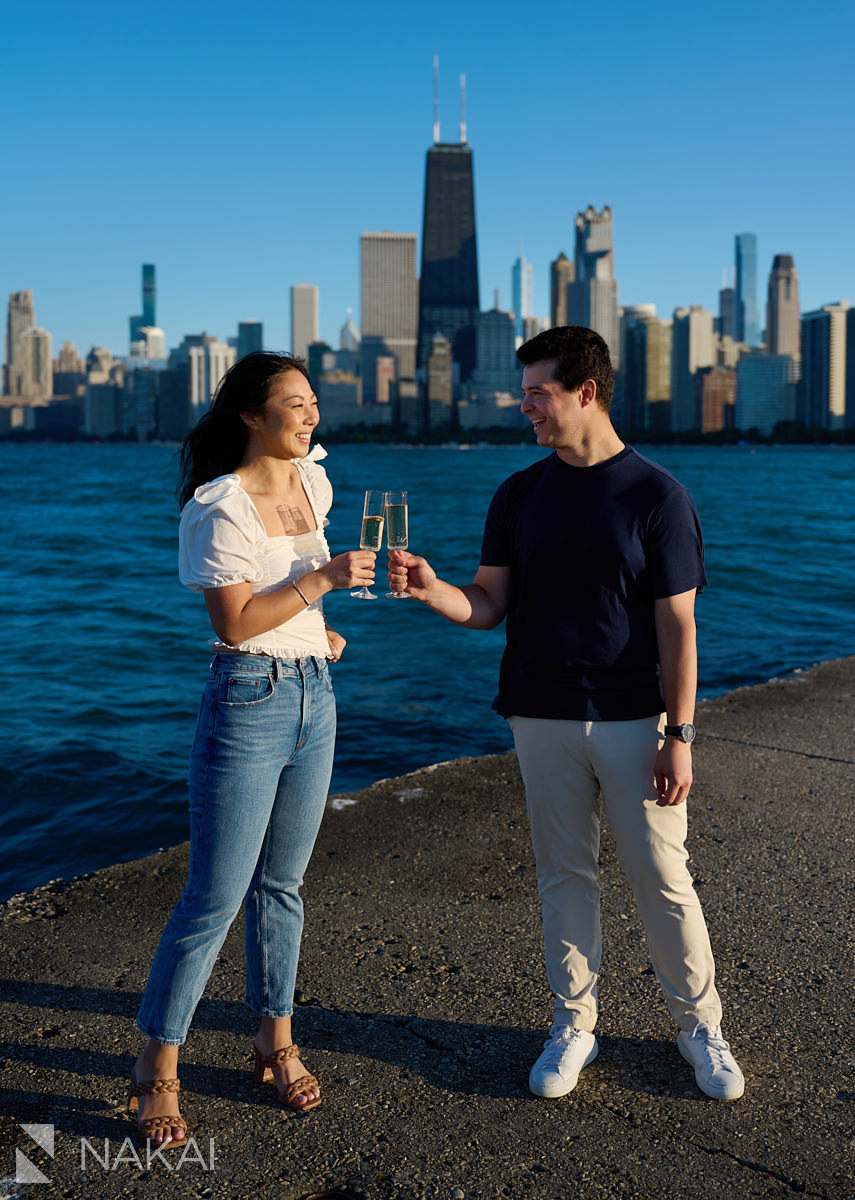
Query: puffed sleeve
{"points": [[217, 537], [320, 486]]}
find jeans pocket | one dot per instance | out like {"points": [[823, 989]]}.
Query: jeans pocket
{"points": [[325, 677], [244, 690]]}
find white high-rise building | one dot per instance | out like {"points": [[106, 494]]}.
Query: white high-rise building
{"points": [[20, 315], [208, 364], [390, 296], [304, 318], [693, 347], [35, 372], [150, 344]]}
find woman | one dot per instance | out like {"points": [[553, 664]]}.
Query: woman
{"points": [[251, 539]]}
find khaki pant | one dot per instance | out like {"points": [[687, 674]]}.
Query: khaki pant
{"points": [[573, 771]]}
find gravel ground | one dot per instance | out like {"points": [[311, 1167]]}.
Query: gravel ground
{"points": [[423, 1002]]}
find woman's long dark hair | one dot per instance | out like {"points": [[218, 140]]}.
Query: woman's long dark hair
{"points": [[216, 444]]}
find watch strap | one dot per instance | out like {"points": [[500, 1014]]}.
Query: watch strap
{"points": [[685, 732]]}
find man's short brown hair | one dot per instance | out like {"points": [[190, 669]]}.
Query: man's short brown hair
{"points": [[580, 353]]}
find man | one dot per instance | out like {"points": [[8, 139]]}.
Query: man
{"points": [[594, 556]]}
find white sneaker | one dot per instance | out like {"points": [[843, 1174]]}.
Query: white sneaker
{"points": [[565, 1052], [717, 1072]]}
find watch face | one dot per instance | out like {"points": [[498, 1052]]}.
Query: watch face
{"points": [[688, 732]]}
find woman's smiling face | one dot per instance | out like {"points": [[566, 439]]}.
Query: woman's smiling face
{"points": [[284, 427]]}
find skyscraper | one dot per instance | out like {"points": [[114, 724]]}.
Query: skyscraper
{"points": [[389, 293], [822, 397], [250, 337], [497, 368], [36, 365], [692, 349], [349, 336], [149, 303], [440, 380], [522, 294], [783, 319], [150, 344], [725, 323], [448, 289], [149, 295], [304, 317], [20, 316], [765, 391], [560, 274], [592, 296], [646, 358], [745, 300], [209, 359]]}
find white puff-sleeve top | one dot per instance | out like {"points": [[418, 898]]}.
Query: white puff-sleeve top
{"points": [[222, 541]]}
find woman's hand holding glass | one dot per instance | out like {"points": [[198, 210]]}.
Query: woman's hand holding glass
{"points": [[353, 569], [371, 538]]}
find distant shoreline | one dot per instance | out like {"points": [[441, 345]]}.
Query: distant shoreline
{"points": [[790, 433]]}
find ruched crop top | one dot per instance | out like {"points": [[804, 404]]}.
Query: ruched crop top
{"points": [[222, 541]]}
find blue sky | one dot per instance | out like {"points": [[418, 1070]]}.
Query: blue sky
{"points": [[243, 148]]}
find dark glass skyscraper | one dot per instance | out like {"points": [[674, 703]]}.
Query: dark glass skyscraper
{"points": [[747, 313], [149, 294], [448, 288], [250, 337], [148, 316]]}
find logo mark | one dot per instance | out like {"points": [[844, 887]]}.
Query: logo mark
{"points": [[25, 1171]]}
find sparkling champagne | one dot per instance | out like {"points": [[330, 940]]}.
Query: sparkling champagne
{"points": [[372, 533], [396, 526]]}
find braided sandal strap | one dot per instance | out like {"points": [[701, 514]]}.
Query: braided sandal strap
{"points": [[279, 1056], [153, 1125], [299, 1087], [155, 1087]]}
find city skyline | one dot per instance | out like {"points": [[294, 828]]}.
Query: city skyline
{"points": [[259, 157]]}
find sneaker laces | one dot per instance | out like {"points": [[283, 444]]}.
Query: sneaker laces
{"points": [[714, 1044], [557, 1044]]}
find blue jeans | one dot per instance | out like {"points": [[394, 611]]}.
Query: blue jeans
{"points": [[259, 776]]}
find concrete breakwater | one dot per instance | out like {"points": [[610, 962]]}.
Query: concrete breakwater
{"points": [[422, 998]]}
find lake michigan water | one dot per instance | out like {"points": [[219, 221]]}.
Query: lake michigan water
{"points": [[105, 653]]}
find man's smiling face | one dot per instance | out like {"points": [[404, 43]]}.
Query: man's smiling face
{"points": [[555, 414]]}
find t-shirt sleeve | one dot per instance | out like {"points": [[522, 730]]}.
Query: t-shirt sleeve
{"points": [[215, 547], [496, 543], [675, 547]]}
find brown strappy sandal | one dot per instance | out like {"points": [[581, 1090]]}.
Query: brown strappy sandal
{"points": [[262, 1073], [151, 1126]]}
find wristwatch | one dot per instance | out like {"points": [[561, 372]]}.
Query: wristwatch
{"points": [[685, 733]]}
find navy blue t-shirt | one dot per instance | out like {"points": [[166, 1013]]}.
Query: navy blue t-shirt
{"points": [[589, 549]]}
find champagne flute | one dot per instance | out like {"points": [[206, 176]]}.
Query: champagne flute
{"points": [[373, 516], [396, 530]]}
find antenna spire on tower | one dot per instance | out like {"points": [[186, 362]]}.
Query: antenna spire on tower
{"points": [[436, 99], [462, 110]]}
